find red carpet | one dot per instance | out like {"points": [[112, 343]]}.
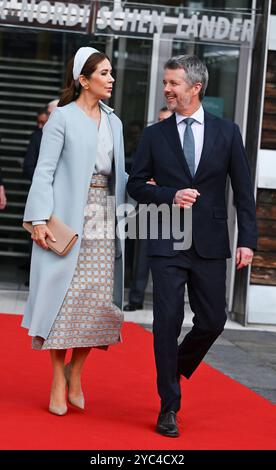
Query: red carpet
{"points": [[122, 403]]}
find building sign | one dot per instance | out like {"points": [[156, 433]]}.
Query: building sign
{"points": [[187, 24], [129, 19], [47, 14]]}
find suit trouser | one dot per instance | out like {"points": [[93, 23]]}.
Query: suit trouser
{"points": [[205, 279], [141, 273]]}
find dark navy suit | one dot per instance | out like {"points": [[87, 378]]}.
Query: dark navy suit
{"points": [[203, 266], [32, 154]]}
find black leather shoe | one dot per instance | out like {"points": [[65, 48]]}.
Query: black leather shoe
{"points": [[166, 424], [131, 307]]}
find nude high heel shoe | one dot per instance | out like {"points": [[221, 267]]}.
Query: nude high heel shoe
{"points": [[78, 401], [58, 410]]}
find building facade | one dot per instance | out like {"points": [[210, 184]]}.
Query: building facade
{"points": [[38, 37]]}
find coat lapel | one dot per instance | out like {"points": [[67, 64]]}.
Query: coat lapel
{"points": [[116, 139], [211, 129], [115, 133], [169, 128]]}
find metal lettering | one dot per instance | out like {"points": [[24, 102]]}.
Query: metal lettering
{"points": [[43, 13], [223, 28], [247, 31], [86, 14], [73, 15], [235, 29], [113, 23], [182, 21], [29, 9], [131, 17], [207, 27], [145, 17], [122, 17], [58, 13], [102, 24], [3, 6], [157, 22], [192, 29]]}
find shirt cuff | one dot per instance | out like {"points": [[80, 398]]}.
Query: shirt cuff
{"points": [[38, 222]]}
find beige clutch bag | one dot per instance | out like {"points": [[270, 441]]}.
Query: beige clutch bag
{"points": [[64, 235]]}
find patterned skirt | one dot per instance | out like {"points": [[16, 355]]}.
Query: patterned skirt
{"points": [[88, 317]]}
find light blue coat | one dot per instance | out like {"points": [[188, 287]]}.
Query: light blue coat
{"points": [[60, 186]]}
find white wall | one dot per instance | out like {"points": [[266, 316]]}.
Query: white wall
{"points": [[262, 299]]}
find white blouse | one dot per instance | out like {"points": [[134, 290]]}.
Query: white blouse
{"points": [[104, 157]]}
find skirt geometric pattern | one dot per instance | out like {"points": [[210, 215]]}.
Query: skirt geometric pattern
{"points": [[88, 316]]}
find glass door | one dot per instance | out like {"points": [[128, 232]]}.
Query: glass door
{"points": [[131, 61]]}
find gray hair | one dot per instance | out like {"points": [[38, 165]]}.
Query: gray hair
{"points": [[196, 71]]}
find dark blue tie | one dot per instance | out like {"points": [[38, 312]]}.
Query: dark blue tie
{"points": [[189, 145]]}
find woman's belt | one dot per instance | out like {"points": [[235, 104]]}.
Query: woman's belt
{"points": [[99, 181]]}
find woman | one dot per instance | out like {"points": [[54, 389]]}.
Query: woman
{"points": [[75, 301]]}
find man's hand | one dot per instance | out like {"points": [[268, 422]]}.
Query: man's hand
{"points": [[151, 181], [39, 234], [185, 198], [244, 257], [3, 199]]}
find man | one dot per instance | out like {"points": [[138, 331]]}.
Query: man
{"points": [[32, 153], [164, 113], [141, 264], [190, 156], [52, 105]]}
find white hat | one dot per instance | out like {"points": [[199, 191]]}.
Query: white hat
{"points": [[81, 56]]}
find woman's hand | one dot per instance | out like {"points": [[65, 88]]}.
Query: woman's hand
{"points": [[40, 233]]}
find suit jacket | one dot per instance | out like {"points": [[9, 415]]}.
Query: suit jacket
{"points": [[160, 156], [32, 153]]}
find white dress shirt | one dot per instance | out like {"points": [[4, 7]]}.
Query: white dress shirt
{"points": [[197, 128]]}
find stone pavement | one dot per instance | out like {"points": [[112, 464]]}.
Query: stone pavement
{"points": [[246, 354]]}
